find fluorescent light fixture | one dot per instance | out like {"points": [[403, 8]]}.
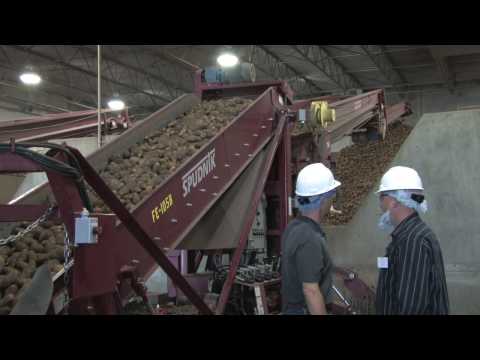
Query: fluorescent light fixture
{"points": [[227, 60], [30, 78], [116, 105]]}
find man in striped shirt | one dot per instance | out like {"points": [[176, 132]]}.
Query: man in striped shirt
{"points": [[412, 275]]}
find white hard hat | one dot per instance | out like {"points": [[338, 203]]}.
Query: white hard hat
{"points": [[400, 178], [315, 179]]}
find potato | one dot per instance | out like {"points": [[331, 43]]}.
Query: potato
{"points": [[47, 224], [32, 255], [12, 260], [49, 244], [123, 191], [21, 265], [23, 284], [12, 289], [28, 272], [8, 300], [54, 266], [27, 239], [23, 255], [135, 198], [11, 270], [46, 234], [60, 238], [37, 247], [58, 253], [41, 258], [20, 245], [5, 251], [36, 233], [7, 280]]}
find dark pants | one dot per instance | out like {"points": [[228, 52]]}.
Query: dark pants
{"points": [[295, 311]]}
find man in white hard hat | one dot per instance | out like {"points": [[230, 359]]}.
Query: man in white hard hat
{"points": [[307, 269], [412, 275]]}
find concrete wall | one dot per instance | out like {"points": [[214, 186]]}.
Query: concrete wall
{"points": [[444, 149], [441, 100]]}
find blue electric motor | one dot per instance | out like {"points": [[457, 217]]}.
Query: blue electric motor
{"points": [[244, 72]]}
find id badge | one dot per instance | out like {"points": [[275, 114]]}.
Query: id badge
{"points": [[382, 262]]}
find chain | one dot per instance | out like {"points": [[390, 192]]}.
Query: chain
{"points": [[29, 228]]}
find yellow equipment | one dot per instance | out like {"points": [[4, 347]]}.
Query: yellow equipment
{"points": [[321, 114]]}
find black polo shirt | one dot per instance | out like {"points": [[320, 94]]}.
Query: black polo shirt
{"points": [[305, 259], [414, 282]]}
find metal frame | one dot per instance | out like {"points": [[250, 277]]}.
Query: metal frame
{"points": [[270, 63], [71, 124], [149, 77], [397, 111], [146, 70], [378, 56], [100, 284], [331, 68], [92, 74], [444, 68], [260, 292], [281, 132]]}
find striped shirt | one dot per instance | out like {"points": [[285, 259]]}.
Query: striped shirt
{"points": [[414, 282]]}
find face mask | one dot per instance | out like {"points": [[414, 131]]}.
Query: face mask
{"points": [[423, 207], [385, 223]]}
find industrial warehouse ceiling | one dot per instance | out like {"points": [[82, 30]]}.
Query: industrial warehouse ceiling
{"points": [[147, 77]]}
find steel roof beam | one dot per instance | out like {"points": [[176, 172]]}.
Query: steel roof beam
{"points": [[271, 64], [377, 55], [92, 74], [444, 68], [332, 69], [169, 85]]}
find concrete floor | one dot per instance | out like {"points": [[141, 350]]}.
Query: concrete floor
{"points": [[444, 148]]}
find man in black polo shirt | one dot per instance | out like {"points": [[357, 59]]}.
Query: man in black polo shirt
{"points": [[412, 275], [306, 265]]}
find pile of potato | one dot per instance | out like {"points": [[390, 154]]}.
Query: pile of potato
{"points": [[20, 259], [131, 175], [359, 167]]}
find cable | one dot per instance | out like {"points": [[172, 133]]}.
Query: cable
{"points": [[73, 170]]}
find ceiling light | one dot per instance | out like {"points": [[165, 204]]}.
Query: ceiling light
{"points": [[227, 60], [116, 105], [30, 78]]}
